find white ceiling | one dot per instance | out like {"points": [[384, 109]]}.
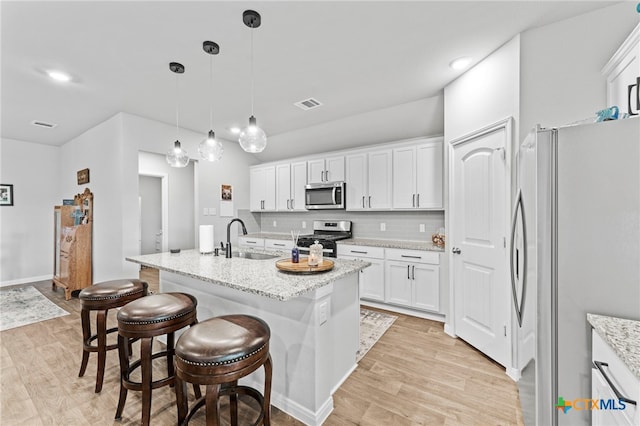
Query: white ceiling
{"points": [[353, 56]]}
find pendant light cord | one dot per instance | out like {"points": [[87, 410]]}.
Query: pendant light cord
{"points": [[252, 83], [177, 100], [211, 92]]}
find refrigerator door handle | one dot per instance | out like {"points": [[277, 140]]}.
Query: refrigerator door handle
{"points": [[599, 365], [518, 304]]}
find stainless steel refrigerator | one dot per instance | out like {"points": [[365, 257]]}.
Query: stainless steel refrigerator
{"points": [[575, 249]]}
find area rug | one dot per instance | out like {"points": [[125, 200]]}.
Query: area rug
{"points": [[26, 305], [372, 326]]}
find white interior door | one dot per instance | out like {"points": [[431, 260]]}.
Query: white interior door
{"points": [[479, 222]]}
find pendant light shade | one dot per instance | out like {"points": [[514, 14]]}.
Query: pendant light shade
{"points": [[177, 156], [210, 148], [252, 138]]}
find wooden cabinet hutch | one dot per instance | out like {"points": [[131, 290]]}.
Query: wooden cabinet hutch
{"points": [[72, 244]]}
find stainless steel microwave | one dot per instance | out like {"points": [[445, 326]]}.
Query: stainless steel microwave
{"points": [[324, 196]]}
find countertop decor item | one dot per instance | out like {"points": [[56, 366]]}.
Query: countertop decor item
{"points": [[177, 156], [303, 266], [252, 138], [211, 149]]}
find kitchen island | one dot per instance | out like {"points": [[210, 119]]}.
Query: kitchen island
{"points": [[314, 319]]}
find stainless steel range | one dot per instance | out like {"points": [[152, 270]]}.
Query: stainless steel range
{"points": [[326, 233]]}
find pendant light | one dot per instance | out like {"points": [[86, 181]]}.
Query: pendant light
{"points": [[177, 157], [252, 138], [211, 149]]}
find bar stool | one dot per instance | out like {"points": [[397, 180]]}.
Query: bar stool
{"points": [[216, 353], [144, 319], [101, 297]]}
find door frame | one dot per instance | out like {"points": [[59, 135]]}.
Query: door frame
{"points": [[164, 183], [508, 125]]}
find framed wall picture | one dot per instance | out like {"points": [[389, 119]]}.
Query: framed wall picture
{"points": [[226, 192], [6, 194], [83, 176]]}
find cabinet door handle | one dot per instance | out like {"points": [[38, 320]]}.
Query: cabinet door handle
{"points": [[417, 200], [322, 176], [599, 365], [326, 175], [408, 272], [288, 208], [369, 201], [293, 203], [359, 252], [413, 272], [410, 257], [413, 202], [278, 244], [363, 201]]}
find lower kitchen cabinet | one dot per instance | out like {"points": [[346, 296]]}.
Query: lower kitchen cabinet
{"points": [[412, 279], [372, 277]]}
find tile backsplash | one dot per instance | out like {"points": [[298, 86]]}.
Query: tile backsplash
{"points": [[397, 225]]}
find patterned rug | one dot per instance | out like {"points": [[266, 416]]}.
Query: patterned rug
{"points": [[372, 326], [26, 305]]}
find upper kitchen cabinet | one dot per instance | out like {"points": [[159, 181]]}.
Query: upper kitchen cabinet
{"points": [[623, 75], [330, 169], [417, 175], [262, 188], [368, 177], [291, 179]]}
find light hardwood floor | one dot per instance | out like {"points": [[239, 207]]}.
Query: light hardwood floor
{"points": [[414, 375]]}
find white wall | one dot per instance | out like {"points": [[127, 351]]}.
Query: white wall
{"points": [[561, 80], [26, 228], [150, 188]]}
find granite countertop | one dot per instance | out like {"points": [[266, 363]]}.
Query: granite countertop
{"points": [[250, 275], [371, 242], [622, 335]]}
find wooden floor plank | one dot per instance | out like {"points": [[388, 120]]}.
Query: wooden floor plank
{"points": [[415, 374]]}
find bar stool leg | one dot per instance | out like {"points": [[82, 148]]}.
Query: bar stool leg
{"points": [[86, 334], [181, 400], [123, 353], [233, 406], [101, 325], [268, 368], [170, 351], [212, 405], [145, 348]]}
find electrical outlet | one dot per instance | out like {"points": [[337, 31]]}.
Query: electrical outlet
{"points": [[304, 224], [422, 227], [212, 211], [275, 223], [383, 226]]}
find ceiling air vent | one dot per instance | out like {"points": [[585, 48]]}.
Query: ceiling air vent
{"points": [[308, 104], [43, 124]]}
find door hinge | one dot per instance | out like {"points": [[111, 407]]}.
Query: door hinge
{"points": [[505, 330], [504, 242]]}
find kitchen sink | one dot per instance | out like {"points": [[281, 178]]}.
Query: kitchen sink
{"points": [[255, 256]]}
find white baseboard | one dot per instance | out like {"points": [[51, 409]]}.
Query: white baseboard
{"points": [[448, 329], [406, 311], [25, 280], [514, 373]]}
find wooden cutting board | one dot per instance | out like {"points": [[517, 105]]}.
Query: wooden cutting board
{"points": [[303, 267]]}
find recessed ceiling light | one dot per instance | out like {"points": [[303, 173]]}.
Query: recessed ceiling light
{"points": [[235, 130], [59, 76], [460, 63]]}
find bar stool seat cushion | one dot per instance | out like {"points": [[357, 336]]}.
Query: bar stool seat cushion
{"points": [[223, 340], [155, 312], [114, 289]]}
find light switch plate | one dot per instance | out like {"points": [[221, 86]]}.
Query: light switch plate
{"points": [[383, 226], [422, 227], [212, 211]]}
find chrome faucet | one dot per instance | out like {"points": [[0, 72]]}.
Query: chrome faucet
{"points": [[244, 232]]}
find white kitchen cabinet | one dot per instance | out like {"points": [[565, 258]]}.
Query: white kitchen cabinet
{"points": [[418, 176], [625, 382], [262, 188], [372, 277], [368, 177], [291, 179], [329, 169], [251, 242], [623, 70], [412, 279]]}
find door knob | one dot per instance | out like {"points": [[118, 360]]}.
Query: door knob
{"points": [[456, 250]]}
